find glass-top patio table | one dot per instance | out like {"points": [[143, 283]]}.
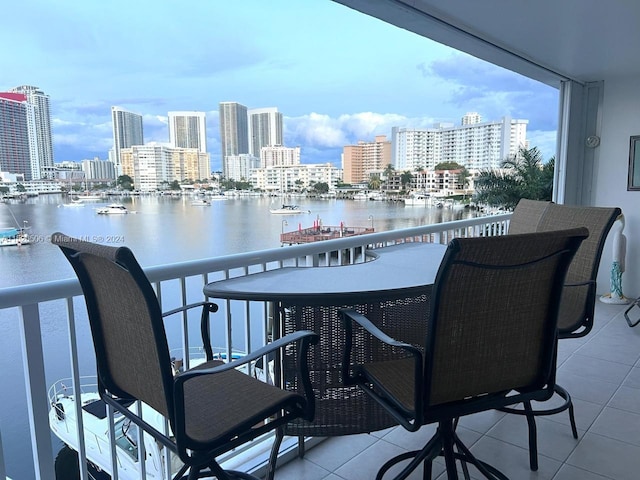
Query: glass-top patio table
{"points": [[393, 291]]}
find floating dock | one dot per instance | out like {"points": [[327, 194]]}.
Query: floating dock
{"points": [[318, 234]]}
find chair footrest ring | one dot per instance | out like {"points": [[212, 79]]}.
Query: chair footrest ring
{"points": [[558, 390]]}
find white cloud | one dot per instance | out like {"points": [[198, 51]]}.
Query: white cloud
{"points": [[320, 130], [544, 140]]}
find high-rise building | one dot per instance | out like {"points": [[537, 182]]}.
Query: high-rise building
{"points": [[471, 118], [415, 148], [18, 146], [278, 156], [293, 178], [234, 131], [43, 136], [98, 171], [365, 158], [153, 164], [127, 132], [474, 144], [188, 130], [265, 129], [239, 166]]}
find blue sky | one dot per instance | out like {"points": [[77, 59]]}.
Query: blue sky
{"points": [[337, 75]]}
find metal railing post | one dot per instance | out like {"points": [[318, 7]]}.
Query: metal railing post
{"points": [[35, 382]]}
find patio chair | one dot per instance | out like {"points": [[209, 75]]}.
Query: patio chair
{"points": [[491, 342], [578, 295], [527, 215], [212, 408]]}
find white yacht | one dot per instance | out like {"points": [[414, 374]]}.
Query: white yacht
{"points": [[112, 209], [63, 423], [419, 199]]}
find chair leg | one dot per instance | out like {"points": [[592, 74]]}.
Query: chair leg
{"points": [[564, 394], [273, 457], [533, 437], [447, 443], [430, 451], [530, 413]]}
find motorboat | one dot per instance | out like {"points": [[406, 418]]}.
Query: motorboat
{"points": [[201, 203], [14, 237], [419, 199], [112, 209], [288, 210], [63, 422], [217, 196], [361, 196]]}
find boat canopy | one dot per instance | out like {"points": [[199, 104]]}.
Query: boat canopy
{"points": [[9, 232]]}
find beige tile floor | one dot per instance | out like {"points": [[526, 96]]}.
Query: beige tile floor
{"points": [[602, 373]]}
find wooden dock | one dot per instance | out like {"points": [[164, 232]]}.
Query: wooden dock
{"points": [[318, 234]]}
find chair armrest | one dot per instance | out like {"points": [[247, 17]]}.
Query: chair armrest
{"points": [[581, 284], [205, 327], [349, 316], [304, 338]]}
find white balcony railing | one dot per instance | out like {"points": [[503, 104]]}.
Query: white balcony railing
{"points": [[177, 285]]}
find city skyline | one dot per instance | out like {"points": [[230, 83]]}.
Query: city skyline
{"points": [[336, 75]]}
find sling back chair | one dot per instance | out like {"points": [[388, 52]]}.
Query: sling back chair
{"points": [[578, 293], [211, 408], [527, 215], [491, 341]]}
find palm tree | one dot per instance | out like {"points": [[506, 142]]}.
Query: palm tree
{"points": [[374, 182], [405, 178], [523, 176]]}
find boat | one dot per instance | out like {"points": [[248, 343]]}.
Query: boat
{"points": [[73, 203], [14, 237], [288, 210], [361, 196], [63, 424], [217, 196], [201, 203], [112, 209], [87, 197], [418, 199]]}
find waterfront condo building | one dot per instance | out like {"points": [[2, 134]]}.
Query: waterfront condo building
{"points": [[234, 132], [366, 158], [127, 132], [18, 146], [239, 166], [474, 144], [265, 129], [278, 155], [41, 136], [98, 171], [153, 165], [294, 178]]}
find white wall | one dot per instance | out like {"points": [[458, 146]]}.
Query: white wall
{"points": [[620, 120]]}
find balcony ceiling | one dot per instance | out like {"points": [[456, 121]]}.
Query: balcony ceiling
{"points": [[583, 40]]}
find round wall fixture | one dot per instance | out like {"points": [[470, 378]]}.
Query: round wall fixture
{"points": [[592, 141]]}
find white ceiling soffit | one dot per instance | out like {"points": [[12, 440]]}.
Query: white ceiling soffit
{"points": [[547, 40]]}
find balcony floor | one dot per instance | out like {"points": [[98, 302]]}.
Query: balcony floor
{"points": [[602, 373]]}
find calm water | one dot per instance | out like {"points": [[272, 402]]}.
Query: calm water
{"points": [[163, 230]]}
